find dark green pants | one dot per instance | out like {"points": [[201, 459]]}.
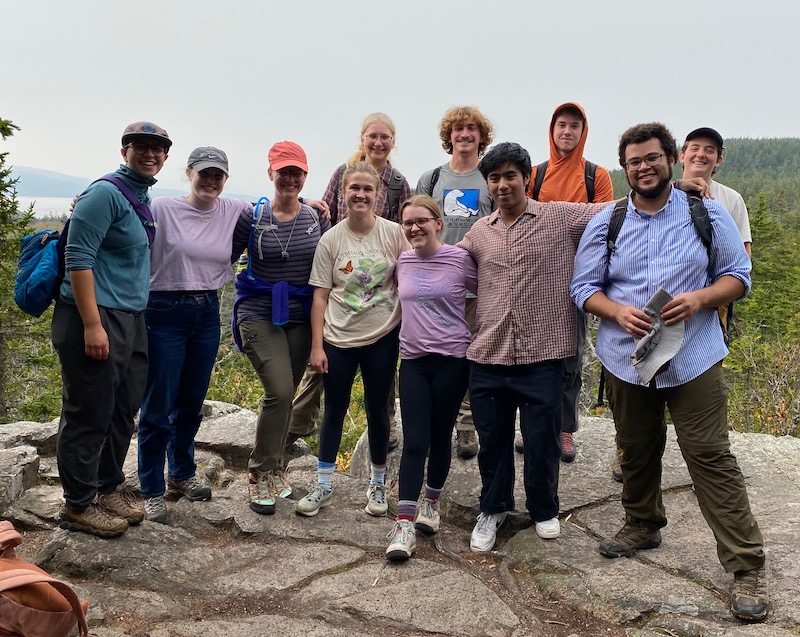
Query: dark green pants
{"points": [[699, 411]]}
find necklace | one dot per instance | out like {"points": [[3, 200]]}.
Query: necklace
{"points": [[272, 225], [284, 249]]}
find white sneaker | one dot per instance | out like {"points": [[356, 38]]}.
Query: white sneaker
{"points": [[314, 500], [376, 500], [548, 529], [485, 532], [428, 517], [403, 541]]}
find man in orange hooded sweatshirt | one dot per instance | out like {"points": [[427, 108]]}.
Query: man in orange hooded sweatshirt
{"points": [[567, 177]]}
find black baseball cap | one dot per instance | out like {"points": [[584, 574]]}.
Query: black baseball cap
{"points": [[710, 133]]}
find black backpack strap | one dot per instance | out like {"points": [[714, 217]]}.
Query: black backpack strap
{"points": [[434, 178], [699, 214], [589, 172], [614, 226], [395, 190], [541, 169]]}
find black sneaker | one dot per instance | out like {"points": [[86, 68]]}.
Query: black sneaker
{"points": [[629, 539], [749, 598]]}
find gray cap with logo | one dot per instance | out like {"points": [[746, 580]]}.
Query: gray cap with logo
{"points": [[208, 157]]}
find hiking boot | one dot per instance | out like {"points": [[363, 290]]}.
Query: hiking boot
{"points": [[282, 487], [262, 492], [631, 538], [403, 541], [466, 444], [519, 446], [314, 500], [394, 437], [428, 516], [484, 534], [94, 519], [749, 597], [124, 503], [291, 439], [616, 468], [155, 509], [567, 447], [548, 529], [376, 500], [192, 488]]}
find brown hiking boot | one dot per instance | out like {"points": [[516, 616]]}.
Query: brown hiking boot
{"points": [[631, 538], [466, 444], [94, 519], [749, 598], [123, 502], [616, 468]]}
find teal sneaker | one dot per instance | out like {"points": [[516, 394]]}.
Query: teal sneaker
{"points": [[262, 492]]}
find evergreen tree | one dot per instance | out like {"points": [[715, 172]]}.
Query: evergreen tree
{"points": [[14, 224]]}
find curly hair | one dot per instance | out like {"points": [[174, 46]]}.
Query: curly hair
{"points": [[644, 132], [461, 115]]}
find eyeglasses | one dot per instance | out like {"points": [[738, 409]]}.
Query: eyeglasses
{"points": [[373, 137], [652, 160], [422, 221], [140, 149]]}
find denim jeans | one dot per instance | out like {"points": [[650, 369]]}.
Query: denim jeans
{"points": [[496, 392], [183, 337]]}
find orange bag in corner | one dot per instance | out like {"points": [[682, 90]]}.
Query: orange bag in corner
{"points": [[33, 604]]}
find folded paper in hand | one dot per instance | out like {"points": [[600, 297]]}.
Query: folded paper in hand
{"points": [[656, 348]]}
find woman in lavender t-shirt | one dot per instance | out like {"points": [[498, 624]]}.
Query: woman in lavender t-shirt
{"points": [[432, 281]]}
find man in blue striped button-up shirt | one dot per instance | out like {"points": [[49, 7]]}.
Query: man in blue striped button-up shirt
{"points": [[659, 247]]}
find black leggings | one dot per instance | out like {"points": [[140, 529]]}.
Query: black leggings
{"points": [[378, 363], [431, 389]]}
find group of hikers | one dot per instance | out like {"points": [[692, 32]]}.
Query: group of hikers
{"points": [[478, 281]]}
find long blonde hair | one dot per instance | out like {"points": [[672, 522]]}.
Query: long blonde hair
{"points": [[361, 154]]}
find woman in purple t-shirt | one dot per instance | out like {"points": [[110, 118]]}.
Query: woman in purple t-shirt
{"points": [[432, 281]]}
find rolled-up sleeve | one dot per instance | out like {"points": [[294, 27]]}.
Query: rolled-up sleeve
{"points": [[590, 274]]}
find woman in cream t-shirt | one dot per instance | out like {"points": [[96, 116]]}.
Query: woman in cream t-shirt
{"points": [[355, 320]]}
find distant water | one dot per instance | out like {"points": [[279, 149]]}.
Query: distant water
{"points": [[46, 206]]}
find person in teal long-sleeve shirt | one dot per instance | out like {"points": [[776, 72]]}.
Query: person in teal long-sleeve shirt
{"points": [[99, 333]]}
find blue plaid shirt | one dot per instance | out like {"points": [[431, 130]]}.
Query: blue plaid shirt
{"points": [[655, 251]]}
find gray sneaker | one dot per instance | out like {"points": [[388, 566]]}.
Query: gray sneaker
{"points": [[315, 500], [282, 487], [192, 488], [428, 517], [124, 503], [155, 509], [94, 519], [376, 500]]}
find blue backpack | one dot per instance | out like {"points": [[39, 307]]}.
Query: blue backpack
{"points": [[37, 272], [40, 268]]}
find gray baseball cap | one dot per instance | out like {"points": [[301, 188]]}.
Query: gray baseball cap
{"points": [[208, 157]]}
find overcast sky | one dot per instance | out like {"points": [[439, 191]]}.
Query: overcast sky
{"points": [[242, 75]]}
